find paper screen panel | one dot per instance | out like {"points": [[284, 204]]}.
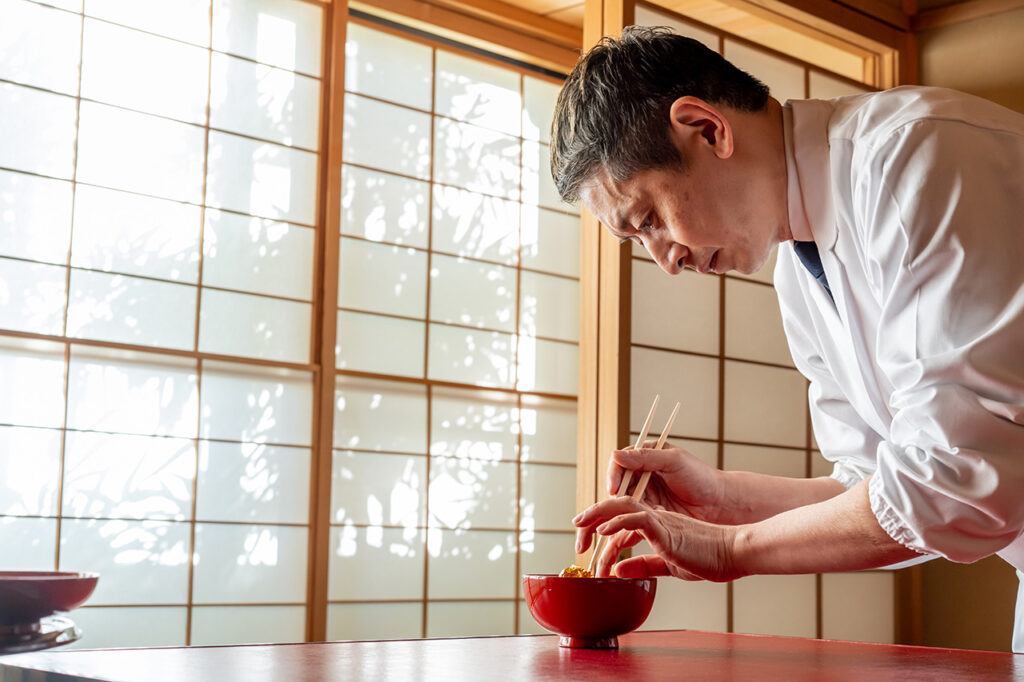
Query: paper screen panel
{"points": [[282, 33], [752, 419], [548, 428], [471, 293], [254, 326], [646, 16], [475, 225], [753, 324], [39, 364], [381, 489], [383, 345], [546, 552], [29, 471], [257, 255], [858, 607], [775, 605], [382, 278], [473, 424], [39, 46], [218, 625], [131, 626], [471, 493], [141, 562], [827, 87], [547, 500], [140, 153], [785, 79], [682, 604], [39, 132], [787, 462], [261, 178], [184, 20], [466, 356], [35, 217], [132, 392], [473, 91], [547, 366], [249, 563], [549, 306], [171, 81], [133, 234], [380, 415], [252, 482], [475, 158], [470, 619], [385, 66], [374, 621], [369, 139], [538, 185], [679, 312], [128, 476], [688, 379], [32, 296], [278, 404], [375, 563], [265, 102], [383, 207], [539, 98], [550, 240], [36, 540], [471, 564], [131, 310]]}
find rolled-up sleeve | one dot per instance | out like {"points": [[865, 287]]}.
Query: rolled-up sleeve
{"points": [[942, 205]]}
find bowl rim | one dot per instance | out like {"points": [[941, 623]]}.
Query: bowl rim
{"points": [[573, 577], [10, 576]]}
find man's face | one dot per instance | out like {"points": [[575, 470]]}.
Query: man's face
{"points": [[708, 218]]}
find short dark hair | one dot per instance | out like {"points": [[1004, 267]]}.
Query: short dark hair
{"points": [[613, 110]]}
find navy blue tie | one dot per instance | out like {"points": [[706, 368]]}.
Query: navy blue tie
{"points": [[807, 252]]}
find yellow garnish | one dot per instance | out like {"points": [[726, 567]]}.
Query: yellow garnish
{"points": [[575, 572]]}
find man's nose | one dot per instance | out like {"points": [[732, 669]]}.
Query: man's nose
{"points": [[665, 253]]}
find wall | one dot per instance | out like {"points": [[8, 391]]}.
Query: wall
{"points": [[984, 57], [971, 606]]}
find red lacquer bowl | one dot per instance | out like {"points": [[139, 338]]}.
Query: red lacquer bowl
{"points": [[26, 597], [589, 613]]}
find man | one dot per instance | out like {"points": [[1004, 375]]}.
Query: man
{"points": [[900, 276]]}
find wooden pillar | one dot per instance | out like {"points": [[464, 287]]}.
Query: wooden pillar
{"points": [[326, 312], [603, 407]]}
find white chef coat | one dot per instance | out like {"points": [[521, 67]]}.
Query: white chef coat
{"points": [[915, 198]]}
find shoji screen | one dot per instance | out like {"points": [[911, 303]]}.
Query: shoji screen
{"points": [[455, 422], [158, 184], [720, 351]]}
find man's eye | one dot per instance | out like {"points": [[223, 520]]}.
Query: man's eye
{"points": [[646, 226]]}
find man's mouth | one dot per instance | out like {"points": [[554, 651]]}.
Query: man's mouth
{"points": [[713, 262]]}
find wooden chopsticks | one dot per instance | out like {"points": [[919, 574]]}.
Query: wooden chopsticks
{"points": [[645, 477]]}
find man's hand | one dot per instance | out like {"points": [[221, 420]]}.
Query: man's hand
{"points": [[685, 547], [679, 482]]}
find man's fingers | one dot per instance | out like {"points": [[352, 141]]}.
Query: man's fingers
{"points": [[616, 543], [597, 514], [642, 566]]}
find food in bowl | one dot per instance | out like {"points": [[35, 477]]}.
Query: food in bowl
{"points": [[575, 571]]}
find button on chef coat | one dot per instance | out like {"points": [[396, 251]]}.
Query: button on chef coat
{"points": [[915, 199]]}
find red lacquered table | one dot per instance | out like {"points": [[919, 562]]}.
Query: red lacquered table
{"points": [[670, 655]]}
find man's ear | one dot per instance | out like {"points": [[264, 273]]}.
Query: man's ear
{"points": [[694, 121]]}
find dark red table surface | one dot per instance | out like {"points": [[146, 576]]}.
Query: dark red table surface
{"points": [[670, 655]]}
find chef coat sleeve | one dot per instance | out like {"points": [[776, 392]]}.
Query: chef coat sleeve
{"points": [[939, 205], [842, 437]]}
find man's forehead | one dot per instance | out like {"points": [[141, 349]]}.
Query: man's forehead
{"points": [[607, 198]]}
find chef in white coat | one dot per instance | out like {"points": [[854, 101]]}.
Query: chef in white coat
{"points": [[899, 221]]}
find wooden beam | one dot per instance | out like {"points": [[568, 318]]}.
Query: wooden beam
{"points": [[882, 11], [471, 30], [964, 11], [829, 18], [519, 19]]}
